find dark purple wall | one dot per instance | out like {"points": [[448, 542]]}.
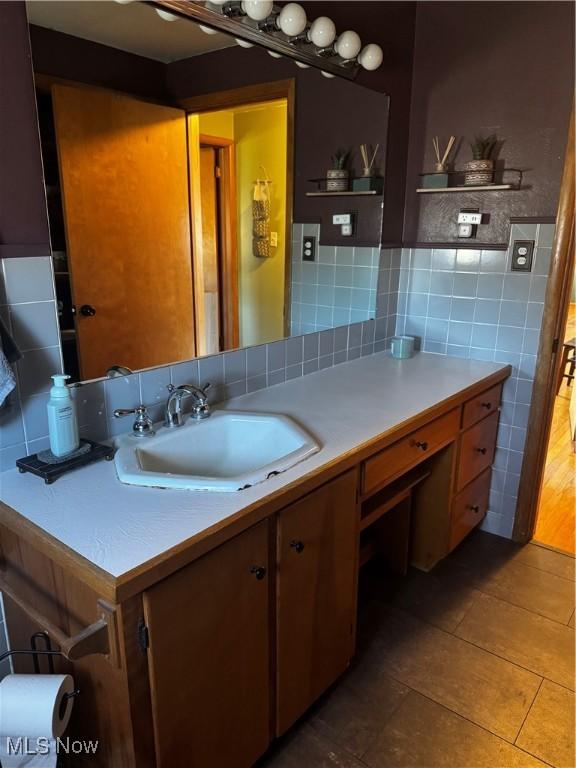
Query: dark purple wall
{"points": [[484, 67], [329, 113], [23, 216], [73, 58]]}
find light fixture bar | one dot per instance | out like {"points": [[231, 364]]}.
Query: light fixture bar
{"points": [[246, 29]]}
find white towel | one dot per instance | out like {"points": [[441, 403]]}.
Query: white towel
{"points": [[7, 379]]}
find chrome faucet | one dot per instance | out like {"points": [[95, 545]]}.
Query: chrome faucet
{"points": [[200, 410]]}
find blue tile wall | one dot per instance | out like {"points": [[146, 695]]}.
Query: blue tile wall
{"points": [[467, 303], [338, 288]]}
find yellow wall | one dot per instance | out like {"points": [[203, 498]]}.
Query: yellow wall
{"points": [[219, 124], [260, 135]]}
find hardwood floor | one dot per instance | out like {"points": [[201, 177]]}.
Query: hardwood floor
{"points": [[557, 511], [468, 666]]}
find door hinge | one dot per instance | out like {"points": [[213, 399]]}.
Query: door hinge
{"points": [[143, 636], [555, 345], [217, 172]]}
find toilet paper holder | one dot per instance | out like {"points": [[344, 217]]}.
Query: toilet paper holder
{"points": [[48, 652]]}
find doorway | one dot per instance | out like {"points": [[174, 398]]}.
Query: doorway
{"points": [[556, 519], [537, 498]]}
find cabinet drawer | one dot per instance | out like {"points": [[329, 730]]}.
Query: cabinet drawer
{"points": [[469, 508], [477, 449], [409, 451], [481, 406]]}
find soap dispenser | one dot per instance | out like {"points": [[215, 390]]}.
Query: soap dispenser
{"points": [[62, 420]]}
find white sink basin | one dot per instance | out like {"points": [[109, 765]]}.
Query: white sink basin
{"points": [[227, 452]]}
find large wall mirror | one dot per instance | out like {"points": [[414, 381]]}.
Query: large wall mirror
{"points": [[185, 177]]}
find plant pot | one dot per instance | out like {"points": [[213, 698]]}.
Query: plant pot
{"points": [[337, 180], [479, 172]]}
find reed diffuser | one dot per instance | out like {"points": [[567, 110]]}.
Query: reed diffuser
{"points": [[368, 181], [442, 160]]}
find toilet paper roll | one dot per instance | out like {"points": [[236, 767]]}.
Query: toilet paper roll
{"points": [[33, 707]]}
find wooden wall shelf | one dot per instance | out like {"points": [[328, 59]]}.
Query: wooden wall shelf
{"points": [[470, 188]]}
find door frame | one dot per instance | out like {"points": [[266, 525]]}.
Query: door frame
{"points": [[253, 94], [228, 238], [549, 353]]}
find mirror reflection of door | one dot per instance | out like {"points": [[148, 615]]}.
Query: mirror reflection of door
{"points": [[124, 178], [219, 244]]}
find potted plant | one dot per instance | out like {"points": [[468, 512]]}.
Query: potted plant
{"points": [[337, 177], [480, 170]]}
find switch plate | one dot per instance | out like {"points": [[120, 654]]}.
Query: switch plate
{"points": [[522, 255], [468, 217], [308, 248], [342, 218]]}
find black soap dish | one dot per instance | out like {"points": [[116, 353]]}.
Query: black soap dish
{"points": [[54, 469]]}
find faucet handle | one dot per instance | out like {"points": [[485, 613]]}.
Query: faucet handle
{"points": [[143, 426]]}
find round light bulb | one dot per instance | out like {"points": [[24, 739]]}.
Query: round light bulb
{"points": [[165, 15], [243, 43], [302, 65], [257, 9], [208, 30], [217, 2], [322, 32], [348, 44], [123, 2], [292, 19], [370, 57], [275, 55], [329, 75]]}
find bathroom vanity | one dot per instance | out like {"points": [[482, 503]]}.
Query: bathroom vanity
{"points": [[200, 626]]}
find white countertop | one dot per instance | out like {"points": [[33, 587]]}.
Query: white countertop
{"points": [[120, 527]]}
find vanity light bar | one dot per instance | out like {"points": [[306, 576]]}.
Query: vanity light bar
{"points": [[284, 30]]}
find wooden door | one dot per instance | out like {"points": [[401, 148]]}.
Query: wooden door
{"points": [[317, 551], [209, 657], [210, 247], [124, 176]]}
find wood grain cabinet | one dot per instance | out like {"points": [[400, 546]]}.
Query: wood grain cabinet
{"points": [[209, 657], [317, 565]]}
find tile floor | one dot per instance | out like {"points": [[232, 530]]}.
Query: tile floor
{"points": [[468, 666]]}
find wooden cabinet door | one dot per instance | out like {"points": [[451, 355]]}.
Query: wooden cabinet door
{"points": [[209, 657], [317, 550]]}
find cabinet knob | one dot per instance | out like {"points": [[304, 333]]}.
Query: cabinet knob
{"points": [[258, 571], [474, 507], [87, 310], [482, 451], [486, 405], [422, 444], [298, 546]]}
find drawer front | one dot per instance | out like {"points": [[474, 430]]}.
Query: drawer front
{"points": [[409, 451], [477, 448], [469, 508], [485, 403]]}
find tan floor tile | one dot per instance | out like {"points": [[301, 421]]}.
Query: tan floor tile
{"points": [[477, 685], [548, 731], [547, 560], [531, 588], [422, 734], [304, 747], [529, 640], [358, 707]]}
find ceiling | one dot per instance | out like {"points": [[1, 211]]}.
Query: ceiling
{"points": [[134, 27]]}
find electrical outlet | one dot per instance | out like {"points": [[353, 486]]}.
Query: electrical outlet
{"points": [[346, 230], [308, 248], [522, 255], [274, 239]]}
